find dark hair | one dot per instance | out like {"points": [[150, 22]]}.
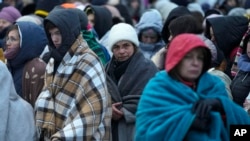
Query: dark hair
{"points": [[185, 24], [49, 25], [12, 27], [198, 16]]}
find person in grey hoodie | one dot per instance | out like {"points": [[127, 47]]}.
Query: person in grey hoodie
{"points": [[149, 32], [17, 118]]}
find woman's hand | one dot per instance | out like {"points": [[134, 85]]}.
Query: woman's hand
{"points": [[116, 112]]}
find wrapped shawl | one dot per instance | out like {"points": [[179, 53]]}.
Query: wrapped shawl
{"points": [[74, 103], [128, 91], [164, 111]]}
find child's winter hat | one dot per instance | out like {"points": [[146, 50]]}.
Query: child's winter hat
{"points": [[122, 31], [10, 14]]}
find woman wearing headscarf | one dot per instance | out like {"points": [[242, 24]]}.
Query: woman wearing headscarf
{"points": [[25, 41], [184, 102]]}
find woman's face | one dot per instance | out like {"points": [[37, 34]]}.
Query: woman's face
{"points": [[190, 67], [123, 50], [91, 19], [12, 39]]}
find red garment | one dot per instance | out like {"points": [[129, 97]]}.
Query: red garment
{"points": [[176, 51]]}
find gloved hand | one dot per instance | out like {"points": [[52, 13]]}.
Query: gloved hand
{"points": [[202, 119], [202, 109], [200, 124], [213, 102]]}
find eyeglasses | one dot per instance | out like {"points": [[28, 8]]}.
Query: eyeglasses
{"points": [[11, 39]]}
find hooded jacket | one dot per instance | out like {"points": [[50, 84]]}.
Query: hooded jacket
{"points": [[68, 32], [228, 31], [103, 20], [33, 41], [17, 117], [150, 19]]}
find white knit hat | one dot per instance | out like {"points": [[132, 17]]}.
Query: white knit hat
{"points": [[122, 31]]}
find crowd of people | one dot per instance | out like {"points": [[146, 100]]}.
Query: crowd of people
{"points": [[124, 70]]}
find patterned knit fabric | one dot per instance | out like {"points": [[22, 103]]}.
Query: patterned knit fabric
{"points": [[93, 44], [33, 79]]}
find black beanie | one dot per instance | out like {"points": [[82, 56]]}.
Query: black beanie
{"points": [[43, 7]]}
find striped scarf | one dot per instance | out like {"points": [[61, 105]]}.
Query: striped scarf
{"points": [[234, 68]]}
